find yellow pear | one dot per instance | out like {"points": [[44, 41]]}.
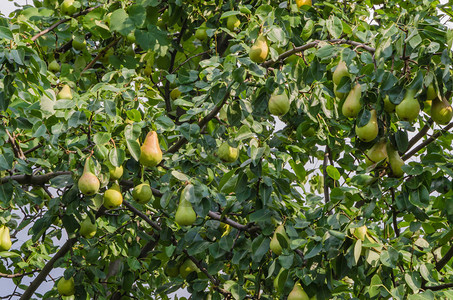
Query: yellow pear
{"points": [[441, 111], [87, 228], [275, 244], [64, 93], [298, 293], [233, 23], [175, 94], [340, 72], [279, 103], [351, 106], [260, 50], [376, 153], [88, 183], [142, 193], [67, 7], [5, 239], [150, 155], [388, 106], [115, 172], [113, 197], [185, 215], [227, 153], [395, 161], [66, 287], [431, 92], [370, 131], [409, 108], [187, 267], [303, 2]]}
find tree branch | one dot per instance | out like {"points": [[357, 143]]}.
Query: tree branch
{"points": [[46, 270], [34, 179], [18, 274], [427, 141], [444, 260], [420, 134], [101, 53], [81, 13], [439, 287], [142, 215]]}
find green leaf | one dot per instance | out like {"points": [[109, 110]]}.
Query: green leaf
{"points": [[260, 246], [333, 172], [334, 26], [180, 176], [101, 138], [357, 250], [5, 33], [134, 148], [120, 21], [117, 156]]}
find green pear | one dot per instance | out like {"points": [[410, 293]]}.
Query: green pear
{"points": [[340, 71], [441, 111], [54, 66], [360, 232], [142, 193], [113, 197], [185, 215], [88, 183], [259, 51], [338, 94], [151, 154], [187, 267], [67, 7], [275, 244], [107, 54], [79, 43], [131, 37], [376, 153], [351, 106], [227, 153], [87, 228], [298, 293], [65, 93], [200, 34], [5, 239], [172, 269], [175, 94], [279, 103], [370, 131], [431, 92], [388, 106], [409, 108], [276, 279], [233, 23], [395, 161], [66, 287], [115, 172]]}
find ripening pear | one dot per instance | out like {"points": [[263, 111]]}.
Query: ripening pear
{"points": [[276, 279], [142, 193], [275, 244], [441, 111], [150, 155], [187, 267], [233, 23], [260, 50], [115, 172], [66, 287], [340, 72], [279, 103], [388, 106], [65, 93], [130, 37], [185, 215], [376, 153], [67, 7], [227, 153], [79, 42], [88, 183], [303, 2], [431, 92], [113, 197], [175, 94], [395, 161], [200, 34], [298, 293], [351, 106], [409, 108], [5, 239], [87, 228], [370, 131], [360, 232], [338, 94], [54, 66]]}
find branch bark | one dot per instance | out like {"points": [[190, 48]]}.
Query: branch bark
{"points": [[34, 179], [444, 260]]}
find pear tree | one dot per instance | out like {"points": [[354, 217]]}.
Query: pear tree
{"points": [[155, 149]]}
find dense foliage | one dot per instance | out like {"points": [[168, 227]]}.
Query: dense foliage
{"points": [[83, 82]]}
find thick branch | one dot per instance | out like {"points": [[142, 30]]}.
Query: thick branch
{"points": [[46, 270], [100, 54], [439, 287], [182, 141], [34, 179], [81, 13], [427, 141], [142, 215], [420, 134], [230, 222], [444, 260], [314, 44]]}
